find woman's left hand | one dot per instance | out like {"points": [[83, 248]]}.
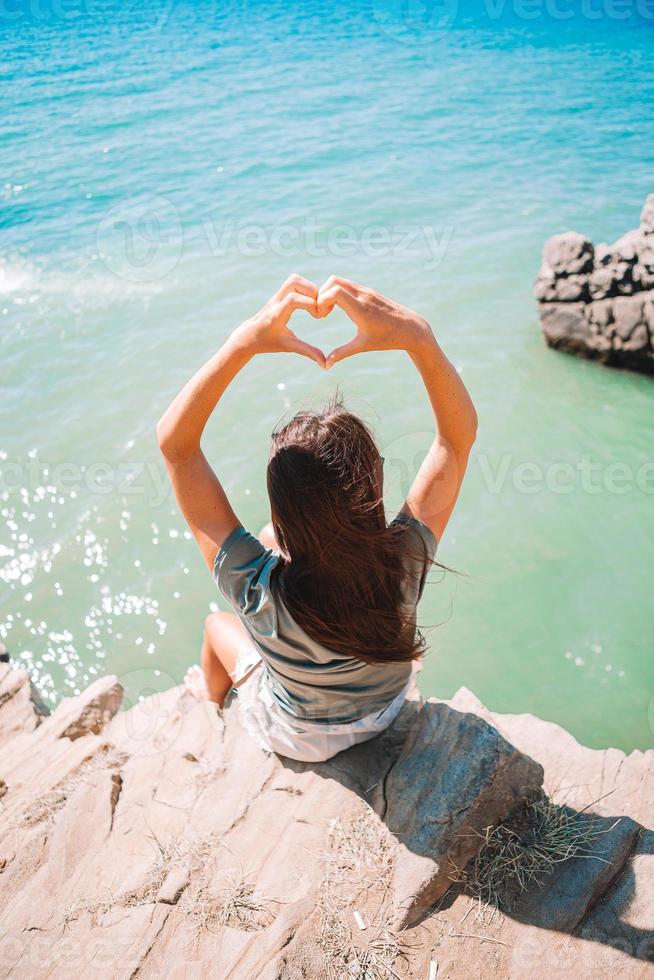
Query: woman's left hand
{"points": [[268, 332]]}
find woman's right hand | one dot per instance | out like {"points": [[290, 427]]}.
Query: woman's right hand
{"points": [[268, 331], [381, 323]]}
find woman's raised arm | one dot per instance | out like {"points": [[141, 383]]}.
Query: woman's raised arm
{"points": [[436, 486], [385, 325], [200, 496]]}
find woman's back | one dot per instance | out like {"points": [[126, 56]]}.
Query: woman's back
{"points": [[306, 679]]}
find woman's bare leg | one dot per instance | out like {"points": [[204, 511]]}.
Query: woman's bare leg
{"points": [[224, 639]]}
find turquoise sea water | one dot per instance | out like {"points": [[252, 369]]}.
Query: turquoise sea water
{"points": [[165, 165]]}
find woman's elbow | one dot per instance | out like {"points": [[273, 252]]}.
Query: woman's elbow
{"points": [[160, 431], [173, 448], [474, 425], [468, 434], [164, 437]]}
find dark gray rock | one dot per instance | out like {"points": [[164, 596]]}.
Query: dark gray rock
{"points": [[597, 301], [565, 289], [643, 277], [601, 326], [647, 216], [638, 341], [646, 252], [565, 325], [643, 270], [610, 280], [628, 316], [600, 314], [623, 917], [625, 249], [438, 821], [575, 885], [623, 268], [648, 315], [568, 254]]}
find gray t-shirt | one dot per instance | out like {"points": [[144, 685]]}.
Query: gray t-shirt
{"points": [[307, 680]]}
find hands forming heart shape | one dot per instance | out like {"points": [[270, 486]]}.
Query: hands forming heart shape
{"points": [[381, 324]]}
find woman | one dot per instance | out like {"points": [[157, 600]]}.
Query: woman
{"points": [[323, 642]]}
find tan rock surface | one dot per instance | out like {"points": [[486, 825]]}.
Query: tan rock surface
{"points": [[163, 842]]}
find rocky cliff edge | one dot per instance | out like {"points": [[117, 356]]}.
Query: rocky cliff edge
{"points": [[160, 841]]}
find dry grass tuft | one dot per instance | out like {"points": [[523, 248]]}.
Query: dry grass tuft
{"points": [[46, 807], [359, 847], [358, 871], [234, 902], [95, 907], [523, 850], [369, 955], [218, 898], [191, 852], [212, 899]]}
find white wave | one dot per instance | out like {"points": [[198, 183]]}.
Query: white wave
{"points": [[13, 277], [83, 283]]}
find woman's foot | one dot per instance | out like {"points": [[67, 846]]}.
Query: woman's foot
{"points": [[196, 684]]}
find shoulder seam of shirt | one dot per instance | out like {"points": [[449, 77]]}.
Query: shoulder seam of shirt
{"points": [[410, 519], [225, 547]]}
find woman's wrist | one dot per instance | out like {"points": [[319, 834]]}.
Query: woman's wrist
{"points": [[422, 341], [240, 344]]}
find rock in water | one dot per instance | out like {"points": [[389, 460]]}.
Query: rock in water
{"points": [[598, 301]]}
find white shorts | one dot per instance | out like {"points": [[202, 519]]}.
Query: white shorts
{"points": [[276, 731]]}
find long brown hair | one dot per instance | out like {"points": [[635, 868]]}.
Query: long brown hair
{"points": [[342, 576]]}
